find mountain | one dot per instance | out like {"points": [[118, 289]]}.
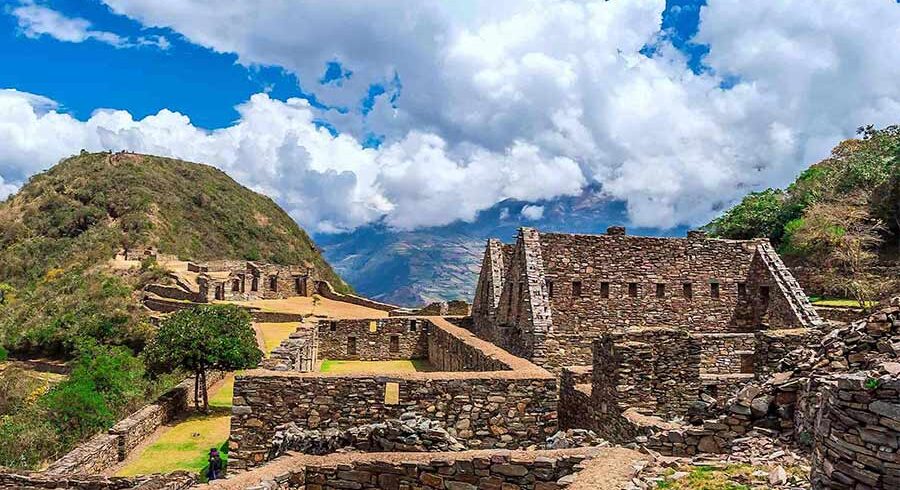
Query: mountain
{"points": [[65, 224], [838, 222], [442, 263]]}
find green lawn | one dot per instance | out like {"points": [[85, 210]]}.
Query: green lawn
{"points": [[374, 367], [839, 302], [185, 445]]}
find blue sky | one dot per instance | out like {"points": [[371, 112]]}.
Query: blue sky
{"points": [[193, 80], [187, 78], [423, 113]]}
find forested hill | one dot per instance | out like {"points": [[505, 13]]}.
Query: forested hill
{"points": [[840, 217]]}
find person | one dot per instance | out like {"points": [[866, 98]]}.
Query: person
{"points": [[214, 471]]}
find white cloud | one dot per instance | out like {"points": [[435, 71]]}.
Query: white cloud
{"points": [[326, 183], [37, 20], [532, 212], [531, 101]]}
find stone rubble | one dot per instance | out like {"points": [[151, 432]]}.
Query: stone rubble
{"points": [[410, 433]]}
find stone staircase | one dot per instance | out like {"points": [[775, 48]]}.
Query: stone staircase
{"points": [[785, 281]]}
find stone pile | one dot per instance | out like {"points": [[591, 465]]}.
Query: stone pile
{"points": [[409, 433], [574, 438]]}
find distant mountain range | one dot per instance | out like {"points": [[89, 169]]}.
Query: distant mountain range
{"points": [[441, 263]]}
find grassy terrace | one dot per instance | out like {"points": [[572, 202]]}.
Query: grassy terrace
{"points": [[839, 302], [374, 367], [185, 444]]}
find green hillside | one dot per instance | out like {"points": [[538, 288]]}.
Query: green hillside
{"points": [[840, 218], [91, 205], [60, 298]]}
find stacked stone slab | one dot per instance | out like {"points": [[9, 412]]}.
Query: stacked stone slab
{"points": [[558, 292], [858, 433]]}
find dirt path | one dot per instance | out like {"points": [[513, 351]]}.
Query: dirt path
{"points": [[611, 472]]}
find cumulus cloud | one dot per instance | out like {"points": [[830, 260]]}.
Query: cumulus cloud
{"points": [[532, 100], [326, 183], [532, 212], [37, 20]]}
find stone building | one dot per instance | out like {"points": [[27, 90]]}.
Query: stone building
{"points": [[548, 295], [244, 280]]}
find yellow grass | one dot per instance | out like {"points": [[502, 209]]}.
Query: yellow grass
{"points": [[272, 334], [841, 302], [326, 307], [185, 445], [374, 367]]}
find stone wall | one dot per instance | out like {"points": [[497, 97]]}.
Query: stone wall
{"points": [[326, 290], [656, 370], [494, 471], [275, 316], [35, 481], [482, 410], [490, 284], [465, 470], [90, 458], [726, 353], [451, 348], [773, 345], [576, 409], [105, 450], [840, 314], [559, 292], [237, 280], [858, 434], [380, 339], [299, 352]]}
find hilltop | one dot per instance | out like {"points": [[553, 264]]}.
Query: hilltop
{"points": [[838, 223], [66, 223], [96, 203]]}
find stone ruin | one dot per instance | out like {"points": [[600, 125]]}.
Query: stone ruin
{"points": [[576, 346], [549, 295]]}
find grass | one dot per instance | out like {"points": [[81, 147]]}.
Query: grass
{"points": [[839, 302], [185, 446], [274, 333], [374, 367]]}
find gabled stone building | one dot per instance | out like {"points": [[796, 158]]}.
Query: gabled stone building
{"points": [[547, 296]]}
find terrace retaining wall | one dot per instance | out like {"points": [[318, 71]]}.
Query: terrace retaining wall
{"points": [[858, 434]]}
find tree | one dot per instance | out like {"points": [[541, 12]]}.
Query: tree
{"points": [[217, 337], [842, 238]]}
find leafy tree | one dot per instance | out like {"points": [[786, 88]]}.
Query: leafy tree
{"points": [[217, 337], [760, 214]]}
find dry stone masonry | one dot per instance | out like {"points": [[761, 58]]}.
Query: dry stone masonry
{"points": [[549, 294]]}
